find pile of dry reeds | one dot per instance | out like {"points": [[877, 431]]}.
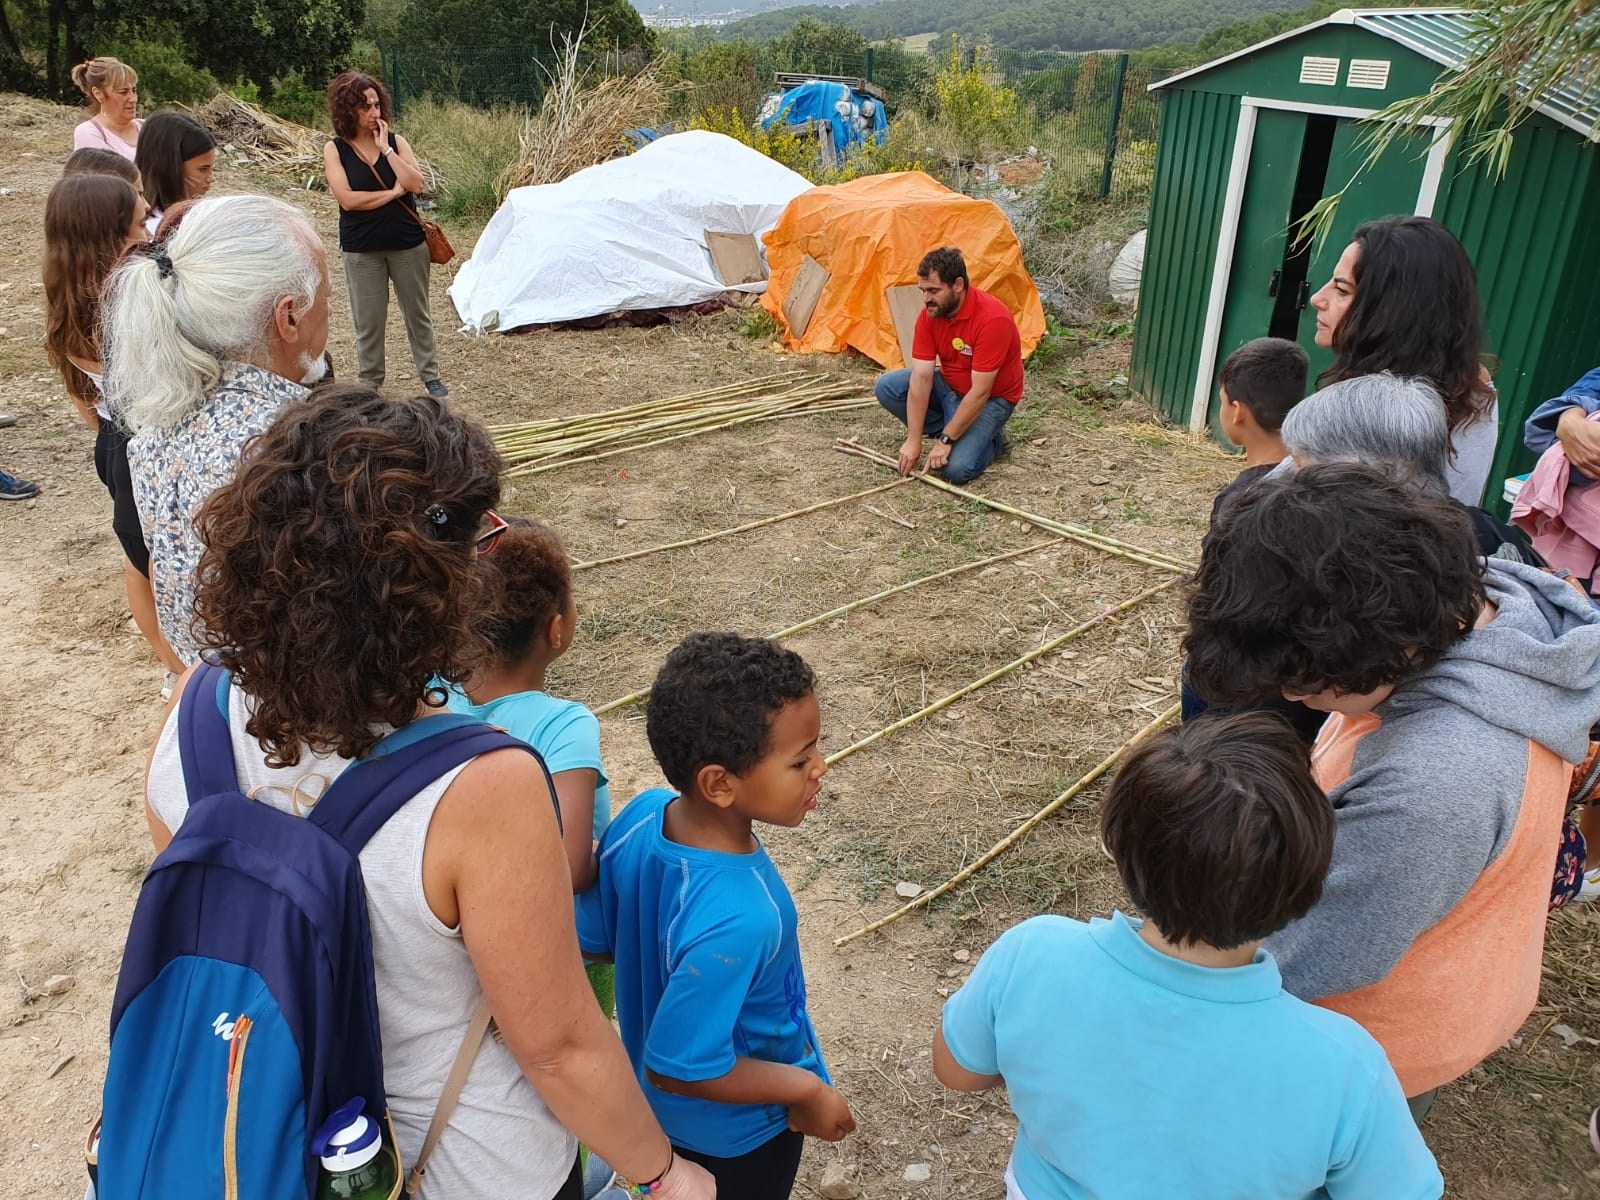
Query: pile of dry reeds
{"points": [[530, 447], [252, 135], [579, 123]]}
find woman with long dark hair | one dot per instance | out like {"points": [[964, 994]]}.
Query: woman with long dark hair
{"points": [[90, 220], [1404, 300], [177, 159], [373, 174], [339, 581]]}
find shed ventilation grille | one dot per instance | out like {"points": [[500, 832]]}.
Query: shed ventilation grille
{"points": [[1370, 73], [1322, 71]]}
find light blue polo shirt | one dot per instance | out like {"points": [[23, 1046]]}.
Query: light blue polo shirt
{"points": [[1135, 1074]]}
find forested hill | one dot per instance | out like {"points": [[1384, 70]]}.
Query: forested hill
{"points": [[1023, 24]]}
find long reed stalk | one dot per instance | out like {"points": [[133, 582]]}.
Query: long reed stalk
{"points": [[1015, 836], [1078, 533], [851, 606], [1000, 672]]}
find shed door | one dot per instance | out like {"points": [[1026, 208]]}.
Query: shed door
{"points": [[1295, 160], [1390, 189]]}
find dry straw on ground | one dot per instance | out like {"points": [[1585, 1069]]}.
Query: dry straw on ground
{"points": [[579, 124], [256, 136]]}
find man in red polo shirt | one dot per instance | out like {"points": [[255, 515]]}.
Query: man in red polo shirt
{"points": [[965, 377]]}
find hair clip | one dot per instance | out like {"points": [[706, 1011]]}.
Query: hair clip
{"points": [[163, 260], [437, 515]]}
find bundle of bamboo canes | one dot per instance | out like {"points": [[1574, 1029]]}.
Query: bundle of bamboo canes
{"points": [[530, 447]]}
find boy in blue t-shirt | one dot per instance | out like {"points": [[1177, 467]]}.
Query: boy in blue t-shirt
{"points": [[1163, 1057], [711, 997]]}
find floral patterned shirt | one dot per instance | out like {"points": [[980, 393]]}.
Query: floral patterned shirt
{"points": [[176, 469]]}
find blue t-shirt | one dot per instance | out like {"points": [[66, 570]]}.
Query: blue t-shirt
{"points": [[564, 732], [707, 951], [1133, 1073]]}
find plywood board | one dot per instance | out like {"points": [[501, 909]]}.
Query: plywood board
{"points": [[905, 302], [803, 295], [736, 257]]}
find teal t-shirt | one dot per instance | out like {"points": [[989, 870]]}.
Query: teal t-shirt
{"points": [[564, 732], [1133, 1073]]}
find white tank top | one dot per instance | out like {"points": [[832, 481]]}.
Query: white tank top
{"points": [[502, 1141]]}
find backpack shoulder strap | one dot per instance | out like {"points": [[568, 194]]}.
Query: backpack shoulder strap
{"points": [[205, 740], [371, 791]]}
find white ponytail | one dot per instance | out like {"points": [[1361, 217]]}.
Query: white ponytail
{"points": [[168, 332]]}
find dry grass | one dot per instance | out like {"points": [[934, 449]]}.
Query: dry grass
{"points": [[256, 137], [580, 124]]}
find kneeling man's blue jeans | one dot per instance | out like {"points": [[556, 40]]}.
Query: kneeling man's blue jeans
{"points": [[975, 449]]}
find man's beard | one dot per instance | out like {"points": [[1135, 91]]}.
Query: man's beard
{"points": [[313, 369], [944, 310]]}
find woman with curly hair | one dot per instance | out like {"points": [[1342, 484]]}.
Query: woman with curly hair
{"points": [[1404, 300], [111, 87], [373, 174], [340, 577], [1460, 692], [90, 221]]}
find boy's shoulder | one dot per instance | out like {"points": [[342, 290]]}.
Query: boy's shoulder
{"points": [[634, 818], [1339, 1041]]}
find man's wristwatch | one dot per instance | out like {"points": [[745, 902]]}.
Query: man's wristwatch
{"points": [[946, 440]]}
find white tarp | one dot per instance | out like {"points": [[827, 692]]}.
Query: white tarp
{"points": [[627, 234]]}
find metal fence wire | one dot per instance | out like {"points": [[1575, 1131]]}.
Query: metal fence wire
{"points": [[1087, 118]]}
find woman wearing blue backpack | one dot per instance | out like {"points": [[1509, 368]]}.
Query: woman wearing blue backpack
{"points": [[339, 579]]}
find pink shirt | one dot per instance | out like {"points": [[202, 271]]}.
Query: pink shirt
{"points": [[93, 135], [1564, 520]]}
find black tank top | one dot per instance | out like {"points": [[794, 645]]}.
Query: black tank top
{"points": [[392, 227]]}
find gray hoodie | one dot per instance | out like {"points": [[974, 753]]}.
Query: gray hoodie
{"points": [[1434, 792]]}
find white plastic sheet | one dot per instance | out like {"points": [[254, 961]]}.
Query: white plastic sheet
{"points": [[1127, 269], [627, 234]]}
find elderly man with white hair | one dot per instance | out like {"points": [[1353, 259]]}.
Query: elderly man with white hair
{"points": [[209, 336]]}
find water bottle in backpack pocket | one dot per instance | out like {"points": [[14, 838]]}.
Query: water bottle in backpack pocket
{"points": [[245, 1015]]}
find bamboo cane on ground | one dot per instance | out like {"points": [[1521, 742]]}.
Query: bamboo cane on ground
{"points": [[1001, 671], [745, 528], [851, 606], [1088, 537], [1015, 836]]}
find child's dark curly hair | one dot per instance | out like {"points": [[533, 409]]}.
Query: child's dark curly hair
{"points": [[1218, 831], [339, 575], [529, 581], [714, 701], [1340, 576]]}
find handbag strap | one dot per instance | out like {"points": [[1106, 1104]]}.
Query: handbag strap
{"points": [[477, 1030], [373, 171]]}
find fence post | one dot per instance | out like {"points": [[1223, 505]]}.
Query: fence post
{"points": [[389, 63], [869, 64], [1111, 125]]}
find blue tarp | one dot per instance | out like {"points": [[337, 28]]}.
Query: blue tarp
{"points": [[855, 117]]}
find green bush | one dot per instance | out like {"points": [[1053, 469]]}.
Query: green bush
{"points": [[294, 99], [472, 146], [165, 75]]}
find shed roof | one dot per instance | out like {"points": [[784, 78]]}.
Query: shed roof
{"points": [[1446, 36]]}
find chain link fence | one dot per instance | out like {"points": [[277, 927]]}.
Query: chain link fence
{"points": [[997, 123]]}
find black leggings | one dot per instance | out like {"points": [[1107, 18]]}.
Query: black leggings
{"points": [[765, 1173], [572, 1189]]}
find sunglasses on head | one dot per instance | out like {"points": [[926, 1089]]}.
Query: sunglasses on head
{"points": [[486, 541]]}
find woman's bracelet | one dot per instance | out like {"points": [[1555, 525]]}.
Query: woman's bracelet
{"points": [[656, 1184]]}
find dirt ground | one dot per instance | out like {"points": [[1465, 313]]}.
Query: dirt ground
{"points": [[913, 807]]}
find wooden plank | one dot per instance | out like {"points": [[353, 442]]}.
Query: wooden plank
{"points": [[905, 302], [736, 257], [790, 79], [804, 292]]}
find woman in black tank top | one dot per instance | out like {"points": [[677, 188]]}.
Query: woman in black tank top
{"points": [[373, 174]]}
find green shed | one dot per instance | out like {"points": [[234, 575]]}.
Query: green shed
{"points": [[1250, 142]]}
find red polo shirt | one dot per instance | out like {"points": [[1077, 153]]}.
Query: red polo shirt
{"points": [[982, 336]]}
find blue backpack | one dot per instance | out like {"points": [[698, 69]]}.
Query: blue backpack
{"points": [[245, 1011]]}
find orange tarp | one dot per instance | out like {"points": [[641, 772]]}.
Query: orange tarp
{"points": [[870, 234]]}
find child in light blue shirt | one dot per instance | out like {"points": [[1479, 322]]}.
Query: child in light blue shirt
{"points": [[1163, 1057], [711, 996], [531, 618]]}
